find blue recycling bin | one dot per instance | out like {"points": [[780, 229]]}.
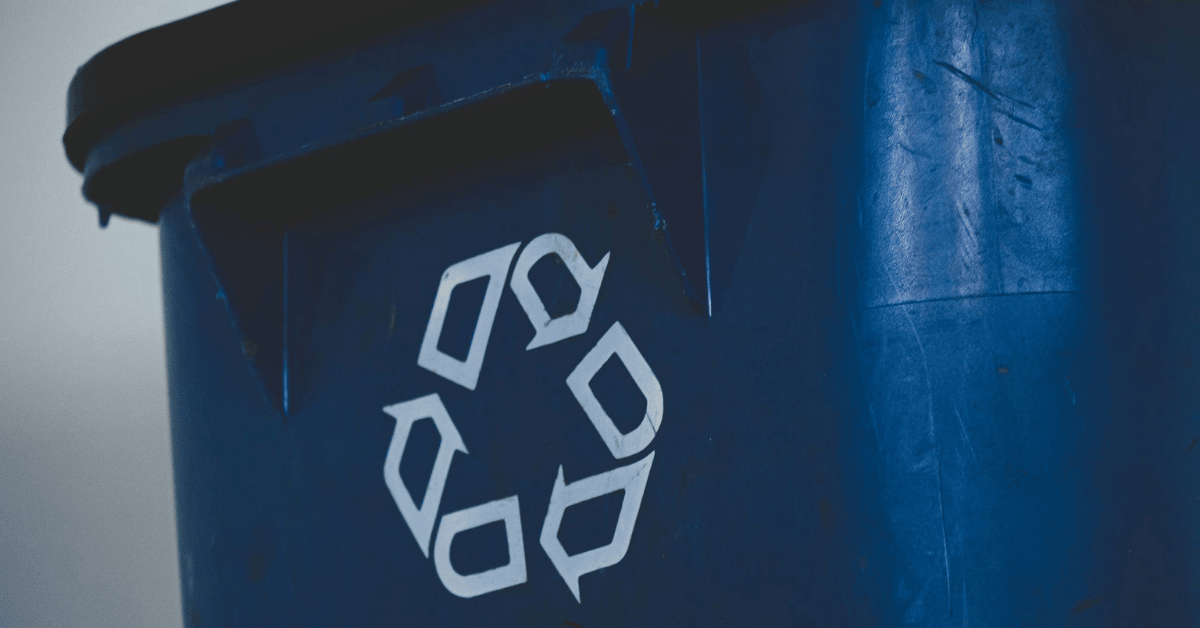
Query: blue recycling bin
{"points": [[811, 313]]}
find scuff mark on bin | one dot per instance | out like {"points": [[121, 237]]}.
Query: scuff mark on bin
{"points": [[977, 84], [1020, 120], [966, 437], [1084, 605]]}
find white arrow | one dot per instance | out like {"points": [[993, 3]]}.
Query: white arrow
{"points": [[617, 342], [494, 266], [421, 519], [632, 479], [507, 510], [547, 330]]}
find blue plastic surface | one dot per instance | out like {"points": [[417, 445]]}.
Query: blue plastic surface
{"points": [[917, 281]]}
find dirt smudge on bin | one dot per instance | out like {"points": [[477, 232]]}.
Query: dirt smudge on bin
{"points": [[826, 510], [1084, 605]]}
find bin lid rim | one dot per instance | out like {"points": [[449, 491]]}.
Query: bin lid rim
{"points": [[216, 46]]}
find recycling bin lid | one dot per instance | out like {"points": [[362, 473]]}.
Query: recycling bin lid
{"points": [[217, 46]]}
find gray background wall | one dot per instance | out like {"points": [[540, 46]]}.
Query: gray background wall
{"points": [[87, 519]]}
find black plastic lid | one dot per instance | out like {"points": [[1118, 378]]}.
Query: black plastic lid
{"points": [[214, 47]]}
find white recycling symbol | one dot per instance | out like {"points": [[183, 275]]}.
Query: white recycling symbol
{"points": [[631, 478]]}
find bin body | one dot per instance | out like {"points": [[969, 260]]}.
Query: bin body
{"points": [[807, 313]]}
